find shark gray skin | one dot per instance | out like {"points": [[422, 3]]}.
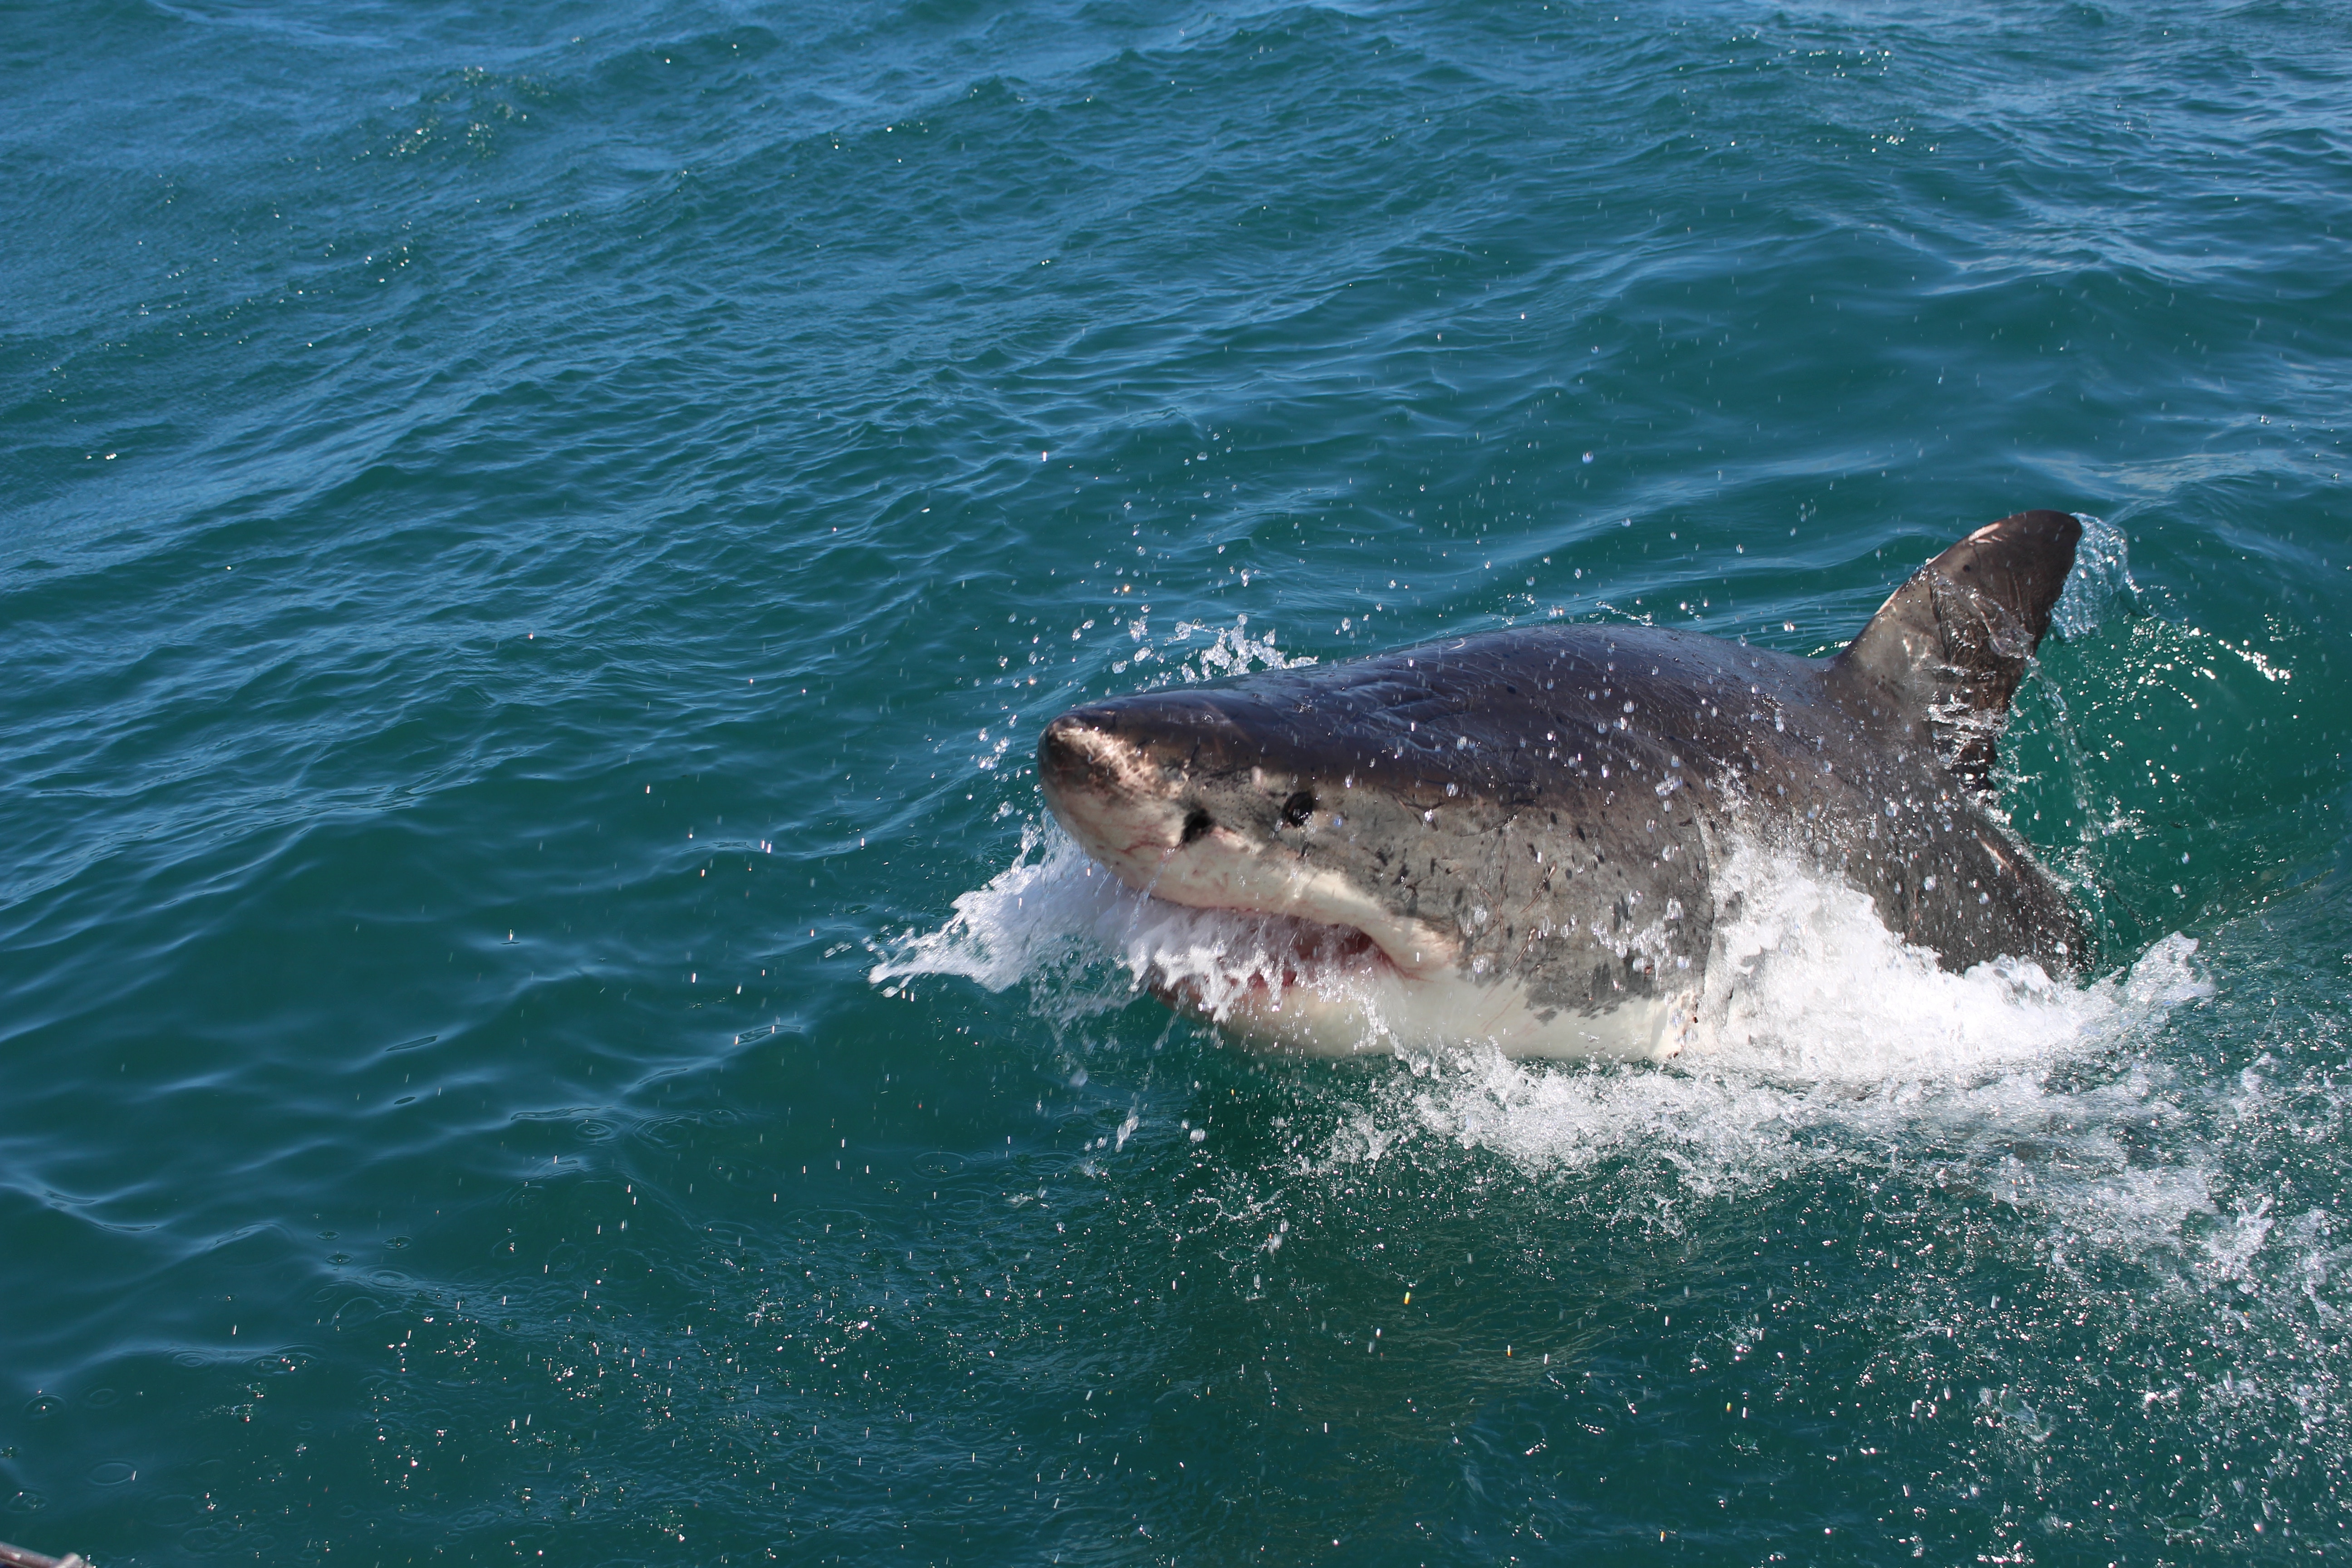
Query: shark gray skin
{"points": [[1516, 838]]}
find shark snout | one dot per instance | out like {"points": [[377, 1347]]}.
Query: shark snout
{"points": [[1076, 754], [1105, 787]]}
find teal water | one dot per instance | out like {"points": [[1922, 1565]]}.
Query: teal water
{"points": [[537, 546]]}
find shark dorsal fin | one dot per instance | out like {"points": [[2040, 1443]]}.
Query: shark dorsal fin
{"points": [[1948, 647]]}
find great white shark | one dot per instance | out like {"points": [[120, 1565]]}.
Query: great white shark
{"points": [[1518, 838]]}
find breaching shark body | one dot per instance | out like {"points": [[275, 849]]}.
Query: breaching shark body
{"points": [[1516, 838]]}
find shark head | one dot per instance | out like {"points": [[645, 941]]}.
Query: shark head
{"points": [[1235, 800], [1392, 844]]}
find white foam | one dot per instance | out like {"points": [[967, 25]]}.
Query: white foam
{"points": [[1034, 921], [1054, 918], [1805, 984], [1823, 1040]]}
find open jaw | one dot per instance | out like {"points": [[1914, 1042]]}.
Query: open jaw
{"points": [[1289, 984], [1277, 980]]}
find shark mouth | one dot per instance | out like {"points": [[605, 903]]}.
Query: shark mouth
{"points": [[1235, 965]]}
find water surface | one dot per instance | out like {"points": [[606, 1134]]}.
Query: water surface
{"points": [[536, 548]]}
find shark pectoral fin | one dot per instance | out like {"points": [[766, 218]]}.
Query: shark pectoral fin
{"points": [[1947, 649]]}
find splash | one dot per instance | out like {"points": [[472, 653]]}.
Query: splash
{"points": [[1040, 920], [1822, 1039], [2100, 586], [1230, 651], [1054, 919], [1819, 1039], [1806, 984], [1999, 1159], [1805, 989]]}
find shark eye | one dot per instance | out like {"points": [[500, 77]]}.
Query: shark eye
{"points": [[1299, 808], [1196, 823]]}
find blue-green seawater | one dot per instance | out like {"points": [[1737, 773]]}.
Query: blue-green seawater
{"points": [[537, 543]]}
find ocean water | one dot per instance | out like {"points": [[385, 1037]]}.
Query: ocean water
{"points": [[542, 1020]]}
